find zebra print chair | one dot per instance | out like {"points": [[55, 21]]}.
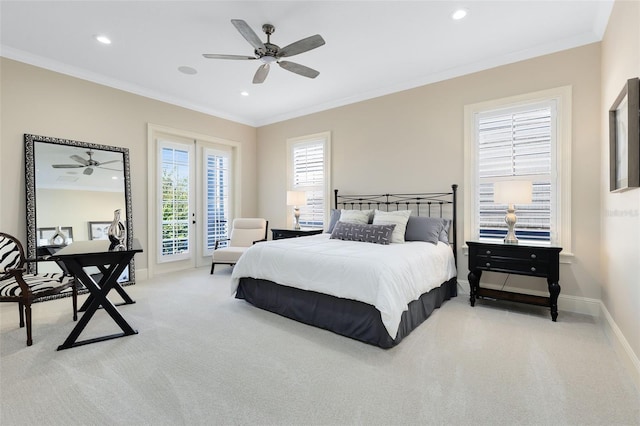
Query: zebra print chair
{"points": [[16, 285]]}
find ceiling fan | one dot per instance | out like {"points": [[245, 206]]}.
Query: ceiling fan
{"points": [[269, 53], [87, 164]]}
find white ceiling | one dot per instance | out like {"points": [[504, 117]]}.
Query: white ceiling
{"points": [[108, 177], [372, 47]]}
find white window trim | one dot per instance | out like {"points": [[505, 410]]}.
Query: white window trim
{"points": [[563, 98], [326, 138]]}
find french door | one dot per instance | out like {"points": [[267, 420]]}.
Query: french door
{"points": [[193, 199]]}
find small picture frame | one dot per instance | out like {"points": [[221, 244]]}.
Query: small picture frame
{"points": [[46, 233], [99, 230], [624, 138]]}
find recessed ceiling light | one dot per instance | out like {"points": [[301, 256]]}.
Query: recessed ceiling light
{"points": [[244, 93], [103, 39], [459, 14], [187, 70]]}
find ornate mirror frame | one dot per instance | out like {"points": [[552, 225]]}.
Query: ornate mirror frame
{"points": [[30, 180]]}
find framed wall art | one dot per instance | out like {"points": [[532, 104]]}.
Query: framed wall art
{"points": [[624, 138], [99, 230]]}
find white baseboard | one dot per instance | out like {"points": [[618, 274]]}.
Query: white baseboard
{"points": [[579, 305], [594, 308], [621, 345]]}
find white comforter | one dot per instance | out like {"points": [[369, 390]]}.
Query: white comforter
{"points": [[387, 277]]}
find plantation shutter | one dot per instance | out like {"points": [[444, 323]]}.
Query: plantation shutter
{"points": [[517, 144], [309, 176], [218, 193], [175, 174]]}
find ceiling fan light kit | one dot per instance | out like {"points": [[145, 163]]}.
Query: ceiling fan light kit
{"points": [[269, 53]]}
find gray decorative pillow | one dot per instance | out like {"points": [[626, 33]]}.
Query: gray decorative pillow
{"points": [[335, 217], [378, 234], [420, 228], [444, 234]]}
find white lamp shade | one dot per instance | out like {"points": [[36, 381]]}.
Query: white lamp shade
{"points": [[296, 198], [512, 192]]}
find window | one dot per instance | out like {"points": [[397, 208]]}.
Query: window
{"points": [[522, 138], [308, 171], [217, 195]]}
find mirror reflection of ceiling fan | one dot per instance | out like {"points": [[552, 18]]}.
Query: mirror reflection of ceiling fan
{"points": [[269, 53], [87, 163]]}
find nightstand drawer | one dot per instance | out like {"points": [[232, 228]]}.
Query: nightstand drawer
{"points": [[525, 253], [511, 265]]}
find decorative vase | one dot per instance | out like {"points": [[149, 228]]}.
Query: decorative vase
{"points": [[116, 232], [58, 237]]}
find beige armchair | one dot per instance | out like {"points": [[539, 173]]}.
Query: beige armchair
{"points": [[244, 233]]}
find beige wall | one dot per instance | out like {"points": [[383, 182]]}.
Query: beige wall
{"points": [[78, 206], [620, 212], [46, 103], [413, 141]]}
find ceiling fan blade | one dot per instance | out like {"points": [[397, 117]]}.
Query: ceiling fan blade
{"points": [[67, 166], [299, 69], [261, 74], [216, 56], [79, 160], [108, 168], [88, 171], [301, 46], [108, 162], [248, 34]]}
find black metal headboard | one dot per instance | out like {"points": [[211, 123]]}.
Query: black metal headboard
{"points": [[432, 204]]}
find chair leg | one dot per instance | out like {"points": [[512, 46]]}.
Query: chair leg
{"points": [[21, 309], [213, 265], [27, 312]]}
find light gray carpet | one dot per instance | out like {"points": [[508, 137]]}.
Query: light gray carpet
{"points": [[202, 357]]}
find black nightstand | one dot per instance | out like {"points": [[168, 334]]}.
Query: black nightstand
{"points": [[279, 234], [519, 259]]}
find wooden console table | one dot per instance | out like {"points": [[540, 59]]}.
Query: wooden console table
{"points": [[519, 259]]}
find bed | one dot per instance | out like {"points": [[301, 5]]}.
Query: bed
{"points": [[375, 293]]}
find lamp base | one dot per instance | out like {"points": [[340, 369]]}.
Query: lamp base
{"points": [[510, 220], [296, 215]]}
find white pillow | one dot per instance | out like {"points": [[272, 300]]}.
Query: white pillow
{"points": [[398, 218], [355, 216]]}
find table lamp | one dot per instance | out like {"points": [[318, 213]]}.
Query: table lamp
{"points": [[296, 199], [512, 192]]}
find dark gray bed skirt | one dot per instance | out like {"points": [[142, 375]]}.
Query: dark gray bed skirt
{"points": [[349, 318]]}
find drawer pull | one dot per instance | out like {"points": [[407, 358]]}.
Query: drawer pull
{"points": [[488, 251], [533, 269], [487, 264], [533, 255]]}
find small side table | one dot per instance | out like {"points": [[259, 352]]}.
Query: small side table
{"points": [[279, 234], [519, 259]]}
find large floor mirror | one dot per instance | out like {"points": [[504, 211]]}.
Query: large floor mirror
{"points": [[73, 189]]}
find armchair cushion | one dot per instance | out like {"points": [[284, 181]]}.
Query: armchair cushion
{"points": [[228, 254], [246, 231], [37, 283]]}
